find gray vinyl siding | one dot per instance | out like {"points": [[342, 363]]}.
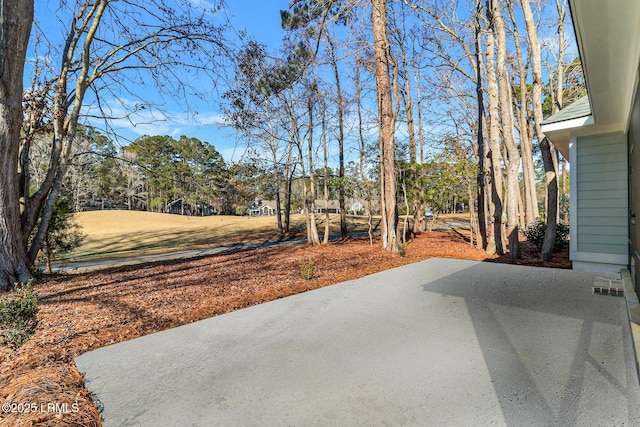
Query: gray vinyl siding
{"points": [[602, 194]]}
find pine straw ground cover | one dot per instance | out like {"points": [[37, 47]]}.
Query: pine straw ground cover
{"points": [[82, 312]]}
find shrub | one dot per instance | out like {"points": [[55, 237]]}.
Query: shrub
{"points": [[306, 269], [242, 210], [18, 315], [402, 249], [63, 234], [534, 233], [36, 271]]}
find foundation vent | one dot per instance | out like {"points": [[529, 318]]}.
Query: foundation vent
{"points": [[608, 286]]}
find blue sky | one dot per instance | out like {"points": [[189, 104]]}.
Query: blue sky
{"points": [[260, 19]]}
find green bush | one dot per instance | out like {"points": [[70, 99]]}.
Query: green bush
{"points": [[18, 315], [306, 269], [36, 271], [242, 210], [534, 233], [63, 234], [402, 249]]}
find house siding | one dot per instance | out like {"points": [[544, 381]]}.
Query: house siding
{"points": [[602, 197], [634, 190]]}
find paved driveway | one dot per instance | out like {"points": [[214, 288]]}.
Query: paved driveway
{"points": [[440, 342]]}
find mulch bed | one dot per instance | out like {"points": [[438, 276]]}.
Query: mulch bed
{"points": [[82, 312]]}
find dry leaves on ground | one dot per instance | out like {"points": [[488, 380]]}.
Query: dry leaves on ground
{"points": [[82, 312]]}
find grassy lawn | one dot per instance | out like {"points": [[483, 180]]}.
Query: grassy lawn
{"points": [[116, 234]]}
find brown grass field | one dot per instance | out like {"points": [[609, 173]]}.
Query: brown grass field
{"points": [[117, 234]]}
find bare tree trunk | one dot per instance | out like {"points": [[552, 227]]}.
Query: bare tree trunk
{"points": [[555, 156], [363, 176], [15, 27], [417, 76], [481, 178], [472, 217], [552, 197], [276, 183], [310, 193], [418, 217], [386, 124], [530, 199], [417, 172], [494, 241], [547, 157], [562, 13], [408, 97], [325, 238], [562, 7], [344, 231], [513, 162], [521, 210], [410, 125], [405, 223], [289, 171]]}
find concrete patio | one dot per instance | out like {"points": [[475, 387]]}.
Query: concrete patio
{"points": [[440, 342]]}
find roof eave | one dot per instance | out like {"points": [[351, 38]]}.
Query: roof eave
{"points": [[559, 133]]}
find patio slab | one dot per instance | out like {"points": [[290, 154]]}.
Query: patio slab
{"points": [[440, 342]]}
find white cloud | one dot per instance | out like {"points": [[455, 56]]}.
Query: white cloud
{"points": [[132, 119], [210, 119], [202, 4]]}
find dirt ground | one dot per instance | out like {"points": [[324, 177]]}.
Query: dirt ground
{"points": [[82, 312]]}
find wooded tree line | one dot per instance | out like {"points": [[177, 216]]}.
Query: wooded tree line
{"points": [[189, 177], [391, 85], [467, 81], [158, 173], [148, 174]]}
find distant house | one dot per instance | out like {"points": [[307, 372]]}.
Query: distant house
{"points": [[268, 208], [178, 207], [263, 208], [331, 207], [357, 206], [104, 204], [181, 207], [204, 209]]}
